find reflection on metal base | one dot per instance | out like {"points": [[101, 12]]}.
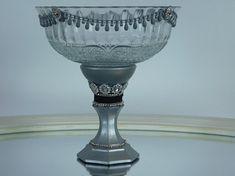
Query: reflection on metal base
{"points": [[93, 155], [102, 170]]}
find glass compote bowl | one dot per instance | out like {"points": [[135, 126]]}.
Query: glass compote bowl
{"points": [[108, 42]]}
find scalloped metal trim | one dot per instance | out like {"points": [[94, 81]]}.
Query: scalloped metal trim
{"points": [[107, 90], [59, 16]]}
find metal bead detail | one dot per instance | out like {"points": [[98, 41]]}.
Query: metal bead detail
{"points": [[87, 25], [117, 89], [126, 26], [78, 24], [57, 15], [105, 89], [116, 26], [107, 26], [97, 27]]}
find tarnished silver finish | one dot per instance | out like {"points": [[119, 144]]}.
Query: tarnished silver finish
{"points": [[108, 147]]}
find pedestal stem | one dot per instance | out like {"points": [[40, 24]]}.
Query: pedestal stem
{"points": [[108, 134], [108, 85]]}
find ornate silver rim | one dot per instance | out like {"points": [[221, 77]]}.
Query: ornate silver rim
{"points": [[60, 15]]}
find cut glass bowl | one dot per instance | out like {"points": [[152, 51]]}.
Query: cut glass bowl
{"points": [[108, 36]]}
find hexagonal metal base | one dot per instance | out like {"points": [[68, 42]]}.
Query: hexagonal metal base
{"points": [[108, 170], [105, 156]]}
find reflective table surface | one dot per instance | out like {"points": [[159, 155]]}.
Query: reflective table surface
{"points": [[161, 153]]}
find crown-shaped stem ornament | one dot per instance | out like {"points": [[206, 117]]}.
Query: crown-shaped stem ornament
{"points": [[108, 42]]}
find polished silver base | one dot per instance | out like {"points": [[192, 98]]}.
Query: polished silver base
{"points": [[108, 147], [125, 154], [108, 170]]}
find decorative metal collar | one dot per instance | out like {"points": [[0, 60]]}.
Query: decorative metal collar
{"points": [[108, 105], [109, 146], [58, 16], [106, 90]]}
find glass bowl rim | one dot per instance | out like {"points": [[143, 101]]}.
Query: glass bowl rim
{"points": [[104, 7]]}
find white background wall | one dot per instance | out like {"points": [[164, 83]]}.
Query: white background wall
{"points": [[192, 75]]}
